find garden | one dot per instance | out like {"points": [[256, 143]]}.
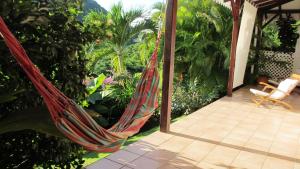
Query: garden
{"points": [[96, 57]]}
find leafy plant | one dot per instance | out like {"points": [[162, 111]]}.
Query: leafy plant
{"points": [[5, 98], [203, 40], [188, 97], [297, 24], [118, 30], [95, 84], [28, 149], [270, 38], [287, 33], [123, 91]]}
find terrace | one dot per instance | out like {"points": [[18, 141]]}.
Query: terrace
{"points": [[232, 132], [229, 133]]}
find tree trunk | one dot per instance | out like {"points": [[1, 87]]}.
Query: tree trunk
{"points": [[121, 66]]}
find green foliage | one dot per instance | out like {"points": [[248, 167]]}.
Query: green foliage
{"points": [[110, 100], [123, 91], [95, 84], [97, 23], [270, 37], [98, 59], [53, 39], [116, 32], [189, 97], [297, 24], [288, 34], [203, 39], [27, 149], [11, 96]]}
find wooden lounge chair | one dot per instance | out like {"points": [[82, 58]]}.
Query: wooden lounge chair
{"points": [[277, 94]]}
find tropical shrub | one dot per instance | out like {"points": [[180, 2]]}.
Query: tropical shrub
{"points": [[118, 29], [30, 149], [288, 34], [203, 41], [109, 97], [270, 38], [191, 96]]}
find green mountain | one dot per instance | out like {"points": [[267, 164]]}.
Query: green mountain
{"points": [[89, 5]]}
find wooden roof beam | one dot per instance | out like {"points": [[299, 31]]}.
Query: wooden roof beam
{"points": [[273, 5], [266, 3], [276, 11]]}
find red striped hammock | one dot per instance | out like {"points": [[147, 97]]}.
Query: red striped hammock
{"points": [[73, 121]]}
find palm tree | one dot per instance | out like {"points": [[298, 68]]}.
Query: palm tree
{"points": [[203, 39], [122, 27]]}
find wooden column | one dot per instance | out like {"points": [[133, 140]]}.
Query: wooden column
{"points": [[168, 66], [258, 39], [235, 33]]}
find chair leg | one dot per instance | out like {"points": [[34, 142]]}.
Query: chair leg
{"points": [[290, 107], [258, 103], [259, 100]]}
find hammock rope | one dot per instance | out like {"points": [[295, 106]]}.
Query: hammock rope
{"points": [[73, 121]]}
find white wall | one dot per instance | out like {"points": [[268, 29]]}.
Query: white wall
{"points": [[244, 42]]}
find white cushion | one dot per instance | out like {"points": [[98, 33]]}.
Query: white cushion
{"points": [[288, 85], [284, 87], [258, 92]]}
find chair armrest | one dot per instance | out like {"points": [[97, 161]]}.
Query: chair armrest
{"points": [[274, 89], [267, 86]]}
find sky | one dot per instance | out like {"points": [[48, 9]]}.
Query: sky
{"points": [[129, 4]]}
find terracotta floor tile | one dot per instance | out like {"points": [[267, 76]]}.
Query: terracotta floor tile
{"points": [[182, 163], [249, 160], [176, 144], [274, 163], [234, 142], [144, 163], [205, 165], [141, 147], [161, 155], [242, 131], [185, 123], [287, 137], [297, 166], [123, 157], [251, 127], [282, 149], [126, 167], [221, 155], [105, 164], [153, 138], [236, 136], [168, 166], [197, 150], [259, 144], [263, 136]]}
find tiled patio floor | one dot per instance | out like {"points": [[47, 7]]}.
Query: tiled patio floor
{"points": [[230, 133]]}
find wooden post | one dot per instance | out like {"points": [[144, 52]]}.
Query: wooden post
{"points": [[168, 66], [235, 33], [259, 33]]}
